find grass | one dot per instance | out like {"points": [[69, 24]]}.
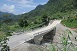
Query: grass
{"points": [[2, 34], [69, 23], [75, 31]]}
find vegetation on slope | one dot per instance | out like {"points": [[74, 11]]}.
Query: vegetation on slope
{"points": [[70, 23], [2, 34], [70, 20], [56, 9], [52, 7]]}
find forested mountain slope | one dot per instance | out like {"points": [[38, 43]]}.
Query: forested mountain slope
{"points": [[52, 7]]}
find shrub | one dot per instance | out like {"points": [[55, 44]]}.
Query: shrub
{"points": [[3, 44], [8, 34]]}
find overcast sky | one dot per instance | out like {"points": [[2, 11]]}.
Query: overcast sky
{"points": [[19, 6]]}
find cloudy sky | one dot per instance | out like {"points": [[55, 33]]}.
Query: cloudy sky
{"points": [[19, 6]]}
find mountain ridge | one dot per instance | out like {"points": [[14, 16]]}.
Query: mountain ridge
{"points": [[5, 13], [51, 7]]}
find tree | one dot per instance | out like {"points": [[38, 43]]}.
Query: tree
{"points": [[23, 23], [6, 15], [45, 19], [3, 44], [8, 20]]}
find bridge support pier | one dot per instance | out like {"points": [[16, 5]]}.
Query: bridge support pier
{"points": [[38, 39]]}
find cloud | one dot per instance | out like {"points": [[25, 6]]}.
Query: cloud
{"points": [[7, 8], [23, 12], [19, 6], [24, 3]]}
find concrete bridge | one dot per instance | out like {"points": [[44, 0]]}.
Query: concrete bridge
{"points": [[44, 36], [37, 35]]}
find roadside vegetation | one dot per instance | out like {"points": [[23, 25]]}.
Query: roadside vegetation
{"points": [[2, 34], [71, 22], [3, 44], [23, 24], [75, 31]]}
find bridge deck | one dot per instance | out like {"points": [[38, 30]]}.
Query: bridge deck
{"points": [[19, 39]]}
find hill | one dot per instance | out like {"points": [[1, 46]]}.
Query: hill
{"points": [[52, 7], [3, 15], [59, 9]]}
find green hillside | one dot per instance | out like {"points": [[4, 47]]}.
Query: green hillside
{"points": [[71, 23], [53, 7]]}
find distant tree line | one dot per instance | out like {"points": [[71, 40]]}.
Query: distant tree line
{"points": [[44, 19]]}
